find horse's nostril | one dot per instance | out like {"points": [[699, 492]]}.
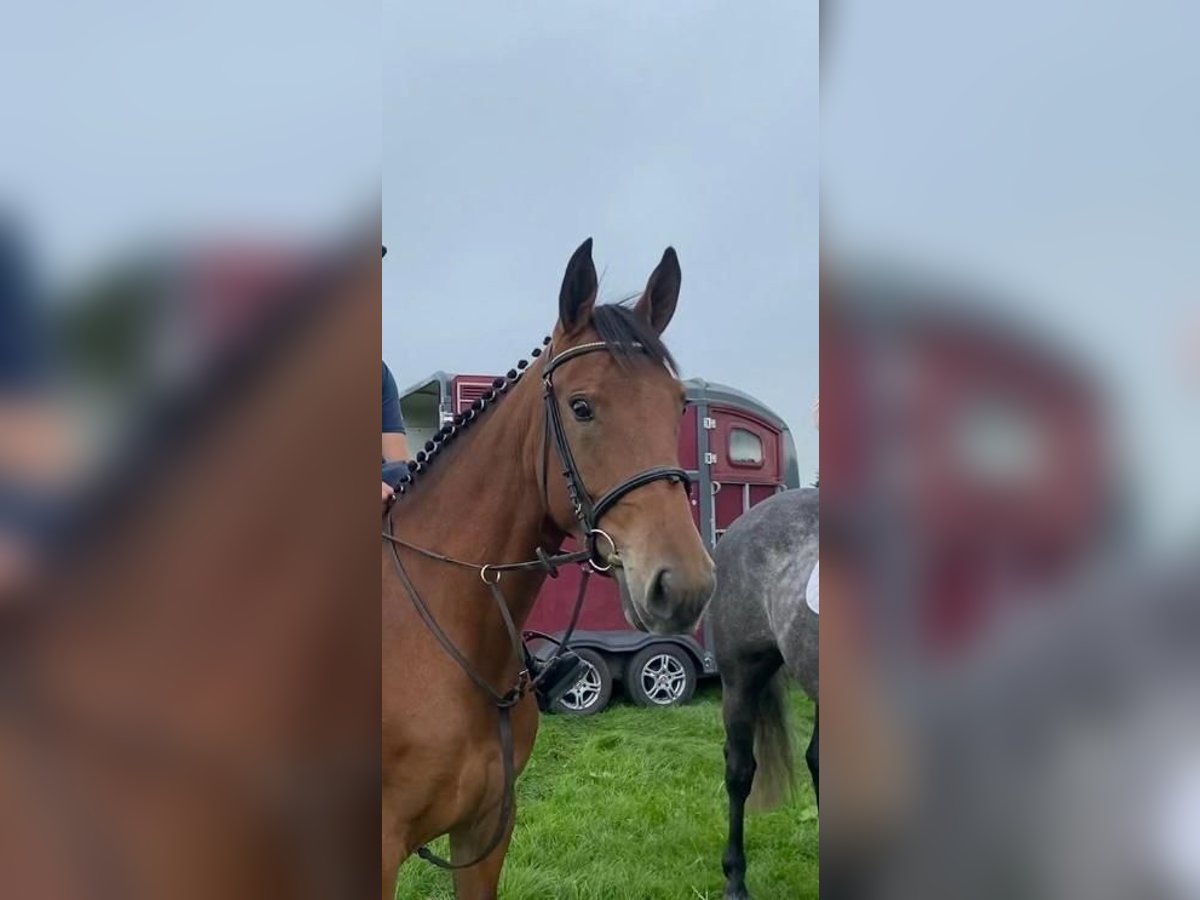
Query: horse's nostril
{"points": [[660, 590]]}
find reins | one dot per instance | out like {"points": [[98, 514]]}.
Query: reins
{"points": [[586, 511], [546, 563]]}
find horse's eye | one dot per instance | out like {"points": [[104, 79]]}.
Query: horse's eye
{"points": [[582, 409]]}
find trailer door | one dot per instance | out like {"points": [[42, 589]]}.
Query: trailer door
{"points": [[744, 463]]}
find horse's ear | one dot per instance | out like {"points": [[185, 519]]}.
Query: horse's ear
{"points": [[578, 294], [657, 305]]}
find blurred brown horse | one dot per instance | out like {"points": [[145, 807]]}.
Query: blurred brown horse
{"points": [[496, 497], [189, 710]]}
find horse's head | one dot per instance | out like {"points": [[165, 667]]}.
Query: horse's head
{"points": [[619, 408]]}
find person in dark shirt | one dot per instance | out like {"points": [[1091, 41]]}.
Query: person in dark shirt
{"points": [[35, 451], [395, 443]]}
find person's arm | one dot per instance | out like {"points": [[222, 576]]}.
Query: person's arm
{"points": [[395, 447], [39, 458], [395, 444]]}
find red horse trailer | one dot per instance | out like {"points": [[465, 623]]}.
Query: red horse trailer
{"points": [[971, 461], [738, 453]]}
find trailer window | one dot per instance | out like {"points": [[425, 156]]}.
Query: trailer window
{"points": [[745, 448]]}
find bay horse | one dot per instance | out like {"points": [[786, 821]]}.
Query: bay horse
{"points": [[763, 633], [603, 404], [189, 701]]}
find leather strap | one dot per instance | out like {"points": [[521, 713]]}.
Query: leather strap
{"points": [[658, 473], [504, 704], [435, 629], [565, 640]]}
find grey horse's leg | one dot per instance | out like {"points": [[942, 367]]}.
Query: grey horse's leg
{"points": [[742, 688], [812, 755]]}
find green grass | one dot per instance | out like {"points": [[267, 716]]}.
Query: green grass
{"points": [[630, 805]]}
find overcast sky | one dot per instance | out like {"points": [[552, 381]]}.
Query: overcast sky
{"points": [[132, 124], [1047, 149], [514, 131]]}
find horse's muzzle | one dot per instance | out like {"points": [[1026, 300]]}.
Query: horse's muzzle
{"points": [[669, 601]]}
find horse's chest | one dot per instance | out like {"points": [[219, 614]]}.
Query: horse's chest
{"points": [[448, 772]]}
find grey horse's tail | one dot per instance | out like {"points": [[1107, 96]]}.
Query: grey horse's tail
{"points": [[774, 774]]}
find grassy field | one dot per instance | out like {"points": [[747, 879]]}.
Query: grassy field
{"points": [[630, 805]]}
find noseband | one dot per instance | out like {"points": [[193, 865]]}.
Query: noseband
{"points": [[589, 512]]}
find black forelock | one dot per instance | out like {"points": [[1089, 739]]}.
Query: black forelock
{"points": [[620, 327]]}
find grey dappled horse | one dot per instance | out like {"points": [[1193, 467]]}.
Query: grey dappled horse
{"points": [[764, 632]]}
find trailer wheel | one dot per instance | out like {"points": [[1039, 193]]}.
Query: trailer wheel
{"points": [[661, 675], [592, 692]]}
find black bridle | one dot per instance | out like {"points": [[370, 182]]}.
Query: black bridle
{"points": [[588, 513]]}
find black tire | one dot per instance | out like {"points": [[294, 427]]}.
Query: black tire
{"points": [[661, 675], [592, 693]]}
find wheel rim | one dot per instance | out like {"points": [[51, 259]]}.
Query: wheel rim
{"points": [[663, 679], [585, 692]]}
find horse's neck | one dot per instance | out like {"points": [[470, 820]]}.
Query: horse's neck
{"points": [[483, 502]]}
